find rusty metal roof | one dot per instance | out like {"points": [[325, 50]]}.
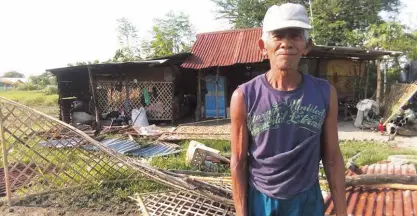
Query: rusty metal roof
{"points": [[379, 201], [226, 48]]}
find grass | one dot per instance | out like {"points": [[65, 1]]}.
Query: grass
{"points": [[37, 100], [371, 152], [177, 162], [31, 98]]}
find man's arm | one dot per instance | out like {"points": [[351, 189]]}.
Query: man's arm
{"points": [[332, 157], [238, 162]]}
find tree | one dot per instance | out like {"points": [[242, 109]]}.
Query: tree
{"points": [[170, 35], [392, 36], [336, 22], [13, 74], [247, 13], [128, 39], [83, 63], [43, 79]]}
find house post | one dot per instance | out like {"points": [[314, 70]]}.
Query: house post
{"points": [[93, 94], [378, 84], [198, 109], [367, 79]]}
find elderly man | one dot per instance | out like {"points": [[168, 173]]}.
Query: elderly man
{"points": [[283, 123]]}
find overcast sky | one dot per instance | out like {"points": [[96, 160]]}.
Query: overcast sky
{"points": [[43, 34]]}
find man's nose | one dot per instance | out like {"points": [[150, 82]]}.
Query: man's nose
{"points": [[286, 43]]}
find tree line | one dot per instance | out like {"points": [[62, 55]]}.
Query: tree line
{"points": [[336, 22], [171, 34]]}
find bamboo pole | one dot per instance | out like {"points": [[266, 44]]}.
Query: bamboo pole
{"points": [[198, 111], [367, 80], [5, 162], [385, 78], [388, 185], [93, 93], [378, 84]]}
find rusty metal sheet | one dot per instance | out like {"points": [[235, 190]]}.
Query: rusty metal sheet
{"points": [[379, 201], [225, 48]]}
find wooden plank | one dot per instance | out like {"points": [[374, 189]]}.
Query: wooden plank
{"points": [[404, 96]]}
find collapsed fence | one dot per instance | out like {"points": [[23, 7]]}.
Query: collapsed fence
{"points": [[48, 163]]}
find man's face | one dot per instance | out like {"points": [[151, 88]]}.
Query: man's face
{"points": [[285, 47]]}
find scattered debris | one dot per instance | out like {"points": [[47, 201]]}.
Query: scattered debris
{"points": [[367, 113], [352, 166], [197, 154], [181, 203], [132, 148]]}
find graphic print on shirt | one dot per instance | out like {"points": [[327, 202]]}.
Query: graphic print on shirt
{"points": [[309, 117]]}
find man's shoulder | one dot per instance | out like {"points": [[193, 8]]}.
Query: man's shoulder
{"points": [[318, 80]]}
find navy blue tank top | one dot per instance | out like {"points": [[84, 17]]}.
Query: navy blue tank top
{"points": [[284, 134]]}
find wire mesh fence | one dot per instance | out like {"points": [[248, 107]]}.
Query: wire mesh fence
{"points": [[47, 163], [127, 96]]}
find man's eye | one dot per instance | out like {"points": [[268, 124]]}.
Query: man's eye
{"points": [[277, 36]]}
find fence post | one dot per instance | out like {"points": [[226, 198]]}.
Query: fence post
{"points": [[5, 162]]}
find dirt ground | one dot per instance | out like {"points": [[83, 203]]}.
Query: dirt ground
{"points": [[347, 131], [37, 211]]}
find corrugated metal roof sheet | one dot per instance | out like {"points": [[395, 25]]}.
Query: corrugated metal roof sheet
{"points": [[225, 48], [132, 148], [379, 201]]}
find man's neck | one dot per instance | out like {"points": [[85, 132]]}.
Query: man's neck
{"points": [[284, 80]]}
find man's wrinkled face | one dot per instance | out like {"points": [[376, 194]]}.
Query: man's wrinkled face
{"points": [[285, 47]]}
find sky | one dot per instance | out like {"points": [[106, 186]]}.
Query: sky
{"points": [[44, 34]]}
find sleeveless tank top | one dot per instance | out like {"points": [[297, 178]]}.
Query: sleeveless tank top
{"points": [[284, 134]]}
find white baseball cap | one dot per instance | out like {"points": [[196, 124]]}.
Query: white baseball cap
{"points": [[287, 15]]}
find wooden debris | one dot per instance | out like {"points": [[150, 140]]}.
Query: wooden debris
{"points": [[380, 179], [141, 204], [198, 173], [352, 166]]}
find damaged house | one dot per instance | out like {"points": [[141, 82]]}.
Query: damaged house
{"points": [[230, 58], [108, 91]]}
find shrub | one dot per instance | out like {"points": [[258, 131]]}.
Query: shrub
{"points": [[27, 87], [51, 90]]}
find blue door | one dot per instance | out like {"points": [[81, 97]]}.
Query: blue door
{"points": [[210, 103]]}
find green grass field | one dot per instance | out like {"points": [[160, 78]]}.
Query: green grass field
{"points": [[371, 152], [38, 100]]}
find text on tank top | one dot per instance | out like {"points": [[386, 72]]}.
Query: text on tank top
{"points": [[284, 133]]}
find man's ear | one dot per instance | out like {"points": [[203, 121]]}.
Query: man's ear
{"points": [[309, 46], [261, 44]]}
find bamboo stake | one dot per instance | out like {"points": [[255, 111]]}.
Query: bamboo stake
{"points": [[367, 80], [378, 84], [5, 162], [93, 92]]}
